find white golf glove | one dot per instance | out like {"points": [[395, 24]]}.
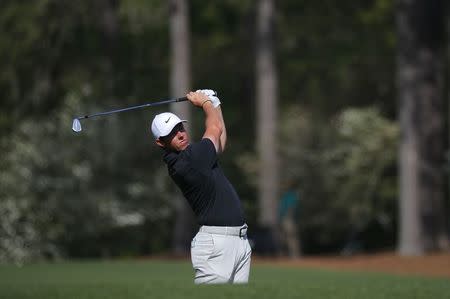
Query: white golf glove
{"points": [[212, 95]]}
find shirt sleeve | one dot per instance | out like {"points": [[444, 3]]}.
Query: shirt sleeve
{"points": [[204, 154]]}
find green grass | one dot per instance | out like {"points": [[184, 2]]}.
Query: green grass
{"points": [[162, 279]]}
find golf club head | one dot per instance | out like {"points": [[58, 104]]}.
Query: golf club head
{"points": [[76, 125]]}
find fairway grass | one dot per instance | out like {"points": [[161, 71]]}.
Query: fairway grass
{"points": [[174, 279]]}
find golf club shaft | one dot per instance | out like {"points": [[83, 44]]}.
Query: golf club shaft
{"points": [[135, 107]]}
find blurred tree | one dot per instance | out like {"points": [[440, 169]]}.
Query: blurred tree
{"points": [[345, 171], [266, 105], [223, 59], [180, 84], [94, 196], [63, 194], [334, 54], [421, 41]]}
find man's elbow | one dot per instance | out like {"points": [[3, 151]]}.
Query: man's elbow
{"points": [[217, 129], [223, 141]]}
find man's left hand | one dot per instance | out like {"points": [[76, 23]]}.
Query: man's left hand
{"points": [[212, 95]]}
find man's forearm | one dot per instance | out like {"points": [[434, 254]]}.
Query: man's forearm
{"points": [[213, 116], [223, 137], [214, 123]]}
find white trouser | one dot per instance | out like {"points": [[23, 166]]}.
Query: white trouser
{"points": [[221, 255]]}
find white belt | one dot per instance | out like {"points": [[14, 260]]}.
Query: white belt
{"points": [[240, 231]]}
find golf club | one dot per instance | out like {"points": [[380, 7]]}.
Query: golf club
{"points": [[76, 125]]}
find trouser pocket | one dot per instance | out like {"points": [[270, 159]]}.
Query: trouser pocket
{"points": [[202, 247]]}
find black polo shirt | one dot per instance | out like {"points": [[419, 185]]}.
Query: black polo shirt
{"points": [[211, 196]]}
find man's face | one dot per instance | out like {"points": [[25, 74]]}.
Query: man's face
{"points": [[177, 140]]}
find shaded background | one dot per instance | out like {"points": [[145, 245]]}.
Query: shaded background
{"points": [[345, 73]]}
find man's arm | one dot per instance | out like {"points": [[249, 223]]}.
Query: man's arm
{"points": [[214, 125], [223, 136]]}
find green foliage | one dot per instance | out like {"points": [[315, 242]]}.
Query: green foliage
{"points": [[334, 54], [344, 172], [98, 192], [60, 193], [54, 185], [362, 164]]}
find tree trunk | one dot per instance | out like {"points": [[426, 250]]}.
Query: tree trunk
{"points": [[179, 86], [420, 29], [266, 95], [447, 122]]}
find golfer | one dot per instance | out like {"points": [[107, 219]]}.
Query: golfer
{"points": [[220, 251]]}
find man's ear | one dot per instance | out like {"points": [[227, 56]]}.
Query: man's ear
{"points": [[160, 143]]}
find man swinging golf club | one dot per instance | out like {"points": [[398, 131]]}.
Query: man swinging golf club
{"points": [[220, 251]]}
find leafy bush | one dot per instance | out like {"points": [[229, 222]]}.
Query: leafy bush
{"points": [[345, 169], [345, 172]]}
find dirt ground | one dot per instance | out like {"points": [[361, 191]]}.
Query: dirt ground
{"points": [[435, 265]]}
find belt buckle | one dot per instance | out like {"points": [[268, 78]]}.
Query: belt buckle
{"points": [[241, 233]]}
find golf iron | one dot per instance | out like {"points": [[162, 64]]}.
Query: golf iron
{"points": [[76, 125]]}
